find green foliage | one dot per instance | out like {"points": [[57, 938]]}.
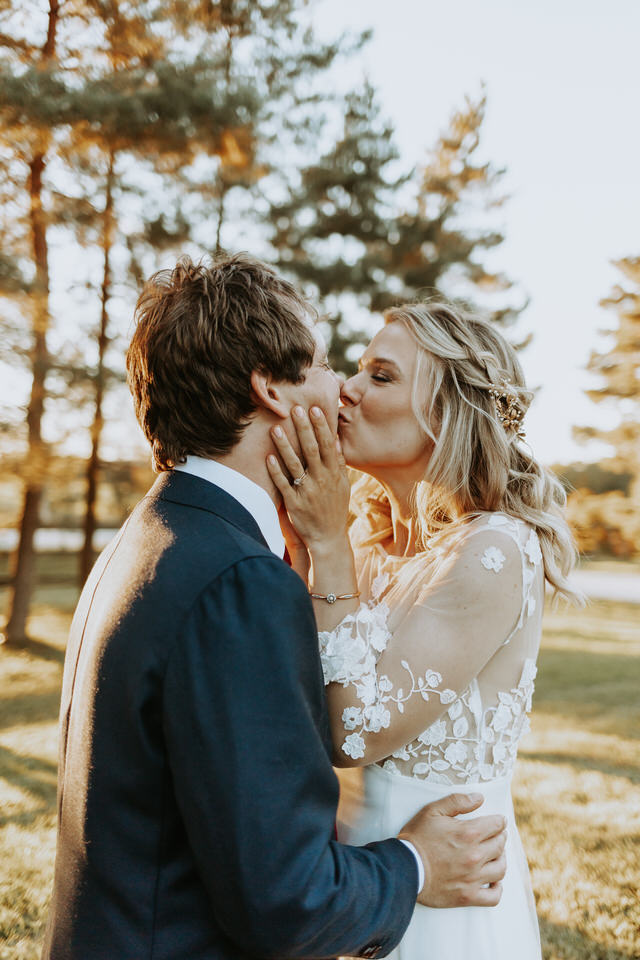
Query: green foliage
{"points": [[451, 228], [605, 520], [592, 477], [332, 230], [618, 369], [605, 523], [176, 99], [352, 223], [165, 124], [12, 278], [342, 196]]}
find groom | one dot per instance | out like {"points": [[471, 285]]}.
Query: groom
{"points": [[196, 796]]}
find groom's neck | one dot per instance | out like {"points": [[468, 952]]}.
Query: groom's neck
{"points": [[249, 457]]}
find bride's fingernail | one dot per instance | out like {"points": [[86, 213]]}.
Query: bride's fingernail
{"points": [[316, 413], [271, 460], [277, 432], [299, 412]]}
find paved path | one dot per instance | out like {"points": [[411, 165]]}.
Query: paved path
{"points": [[605, 585]]}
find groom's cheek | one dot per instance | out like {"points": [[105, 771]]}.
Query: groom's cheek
{"points": [[333, 420], [330, 406], [330, 411]]}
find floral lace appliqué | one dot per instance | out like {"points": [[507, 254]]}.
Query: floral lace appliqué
{"points": [[532, 549], [350, 652], [379, 585], [470, 744], [493, 559], [376, 693], [475, 739]]}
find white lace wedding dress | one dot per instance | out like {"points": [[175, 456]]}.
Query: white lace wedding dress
{"points": [[435, 676]]}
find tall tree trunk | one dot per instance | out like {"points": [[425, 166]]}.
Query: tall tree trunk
{"points": [[93, 464], [224, 187], [222, 180], [24, 561]]}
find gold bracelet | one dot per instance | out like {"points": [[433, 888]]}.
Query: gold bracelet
{"points": [[332, 597]]}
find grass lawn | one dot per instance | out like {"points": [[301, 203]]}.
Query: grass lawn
{"points": [[577, 786]]}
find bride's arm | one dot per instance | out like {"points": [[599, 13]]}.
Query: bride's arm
{"points": [[384, 690]]}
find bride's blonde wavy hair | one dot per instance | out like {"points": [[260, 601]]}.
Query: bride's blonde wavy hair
{"points": [[478, 462]]}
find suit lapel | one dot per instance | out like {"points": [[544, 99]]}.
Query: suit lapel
{"points": [[184, 488]]}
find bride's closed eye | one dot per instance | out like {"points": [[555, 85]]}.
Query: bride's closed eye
{"points": [[381, 374], [380, 369]]}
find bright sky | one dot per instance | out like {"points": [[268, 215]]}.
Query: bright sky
{"points": [[563, 89]]}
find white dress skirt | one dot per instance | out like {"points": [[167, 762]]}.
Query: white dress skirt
{"points": [[504, 932]]}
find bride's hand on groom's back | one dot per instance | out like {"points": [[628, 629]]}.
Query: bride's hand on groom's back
{"points": [[318, 503], [464, 860]]}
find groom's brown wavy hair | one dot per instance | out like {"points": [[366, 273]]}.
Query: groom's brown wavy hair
{"points": [[201, 329]]}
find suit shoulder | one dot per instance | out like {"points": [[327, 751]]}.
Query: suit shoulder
{"points": [[261, 599], [265, 575], [202, 534]]}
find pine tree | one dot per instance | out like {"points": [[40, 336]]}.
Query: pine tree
{"points": [[226, 35], [127, 43], [274, 45], [181, 97], [332, 230], [28, 151], [101, 379], [355, 225], [50, 107], [610, 521], [443, 239], [619, 370]]}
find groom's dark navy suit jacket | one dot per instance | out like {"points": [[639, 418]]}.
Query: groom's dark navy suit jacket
{"points": [[196, 794]]}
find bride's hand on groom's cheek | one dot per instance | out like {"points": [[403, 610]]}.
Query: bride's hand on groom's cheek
{"points": [[314, 483]]}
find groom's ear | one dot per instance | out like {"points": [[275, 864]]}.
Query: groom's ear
{"points": [[269, 394]]}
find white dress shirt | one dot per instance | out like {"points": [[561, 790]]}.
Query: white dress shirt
{"points": [[259, 504]]}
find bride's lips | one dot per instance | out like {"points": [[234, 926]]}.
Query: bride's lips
{"points": [[342, 419]]}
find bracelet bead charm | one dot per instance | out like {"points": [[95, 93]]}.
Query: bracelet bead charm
{"points": [[332, 597]]}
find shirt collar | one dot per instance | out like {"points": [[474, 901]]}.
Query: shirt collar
{"points": [[249, 494]]}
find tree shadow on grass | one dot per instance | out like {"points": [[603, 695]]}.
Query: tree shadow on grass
{"points": [[33, 775], [27, 708], [37, 648], [43, 650], [631, 773], [572, 944]]}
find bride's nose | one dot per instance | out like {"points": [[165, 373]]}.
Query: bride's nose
{"points": [[350, 393]]}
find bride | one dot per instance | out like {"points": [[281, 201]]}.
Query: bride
{"points": [[430, 605]]}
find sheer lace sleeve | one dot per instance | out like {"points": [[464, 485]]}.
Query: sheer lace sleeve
{"points": [[386, 685]]}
